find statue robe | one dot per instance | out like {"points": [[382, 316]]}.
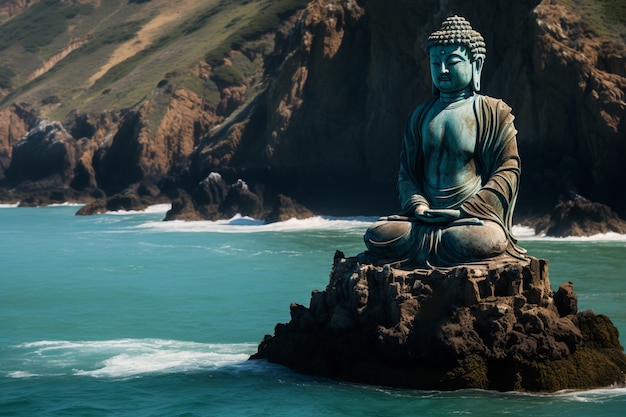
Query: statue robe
{"points": [[491, 196]]}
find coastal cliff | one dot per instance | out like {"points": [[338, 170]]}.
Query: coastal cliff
{"points": [[314, 107]]}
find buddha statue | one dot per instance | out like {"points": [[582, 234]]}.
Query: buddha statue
{"points": [[459, 167]]}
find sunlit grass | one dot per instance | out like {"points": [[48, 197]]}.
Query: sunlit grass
{"points": [[208, 32], [604, 17]]}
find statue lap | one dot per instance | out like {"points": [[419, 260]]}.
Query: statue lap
{"points": [[464, 240]]}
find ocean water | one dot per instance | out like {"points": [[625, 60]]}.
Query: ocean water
{"points": [[122, 314]]}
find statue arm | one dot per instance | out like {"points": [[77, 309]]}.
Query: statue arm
{"points": [[500, 165], [409, 187]]}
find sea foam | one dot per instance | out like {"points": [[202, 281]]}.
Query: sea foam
{"points": [[242, 224], [154, 209], [124, 358]]}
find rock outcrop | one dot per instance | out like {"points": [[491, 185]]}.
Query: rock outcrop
{"points": [[286, 208], [578, 216], [15, 122], [139, 151], [118, 202], [489, 327], [48, 150], [214, 199]]}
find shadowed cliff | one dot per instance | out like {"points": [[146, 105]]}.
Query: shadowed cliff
{"points": [[317, 111]]}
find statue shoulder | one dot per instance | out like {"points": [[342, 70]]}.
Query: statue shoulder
{"points": [[496, 105], [418, 113]]}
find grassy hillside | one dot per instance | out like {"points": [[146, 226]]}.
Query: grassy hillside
{"points": [[604, 17], [128, 48]]}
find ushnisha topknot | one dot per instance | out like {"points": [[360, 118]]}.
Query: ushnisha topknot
{"points": [[455, 30]]}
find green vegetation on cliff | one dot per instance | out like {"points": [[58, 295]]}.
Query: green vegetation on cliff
{"points": [[42, 25], [109, 55], [604, 17]]}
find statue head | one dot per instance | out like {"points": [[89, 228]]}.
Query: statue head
{"points": [[457, 54]]}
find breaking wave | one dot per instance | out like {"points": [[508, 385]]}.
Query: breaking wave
{"points": [[527, 233], [123, 358], [154, 209], [241, 224]]}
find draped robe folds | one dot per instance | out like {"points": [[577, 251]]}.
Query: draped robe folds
{"points": [[489, 197]]}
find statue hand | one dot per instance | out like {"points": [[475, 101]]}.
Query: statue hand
{"points": [[438, 216], [419, 210]]}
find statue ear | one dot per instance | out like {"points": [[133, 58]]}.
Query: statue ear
{"points": [[477, 68]]}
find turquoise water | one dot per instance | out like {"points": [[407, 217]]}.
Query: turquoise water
{"points": [[124, 315]]}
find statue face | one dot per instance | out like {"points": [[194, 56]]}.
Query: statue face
{"points": [[450, 68]]}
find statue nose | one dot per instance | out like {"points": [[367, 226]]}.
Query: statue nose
{"points": [[444, 68]]}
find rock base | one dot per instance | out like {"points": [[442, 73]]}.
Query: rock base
{"points": [[445, 329]]}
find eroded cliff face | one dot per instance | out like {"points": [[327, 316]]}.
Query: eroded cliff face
{"points": [[575, 111], [350, 72], [303, 135], [153, 140], [321, 119], [110, 153], [15, 121]]}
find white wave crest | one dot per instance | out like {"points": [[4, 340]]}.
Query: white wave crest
{"points": [[21, 374], [154, 209], [241, 224], [601, 237], [138, 363], [599, 395], [66, 204], [125, 358], [528, 233], [522, 232]]}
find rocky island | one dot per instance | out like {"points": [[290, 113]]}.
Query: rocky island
{"points": [[466, 327], [444, 298]]}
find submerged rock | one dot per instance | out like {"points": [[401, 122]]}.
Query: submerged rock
{"points": [[496, 327]]}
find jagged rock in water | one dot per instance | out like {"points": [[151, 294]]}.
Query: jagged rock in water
{"points": [[578, 216], [203, 204], [241, 200], [212, 190], [489, 327], [214, 199], [286, 208], [183, 208], [118, 202]]}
